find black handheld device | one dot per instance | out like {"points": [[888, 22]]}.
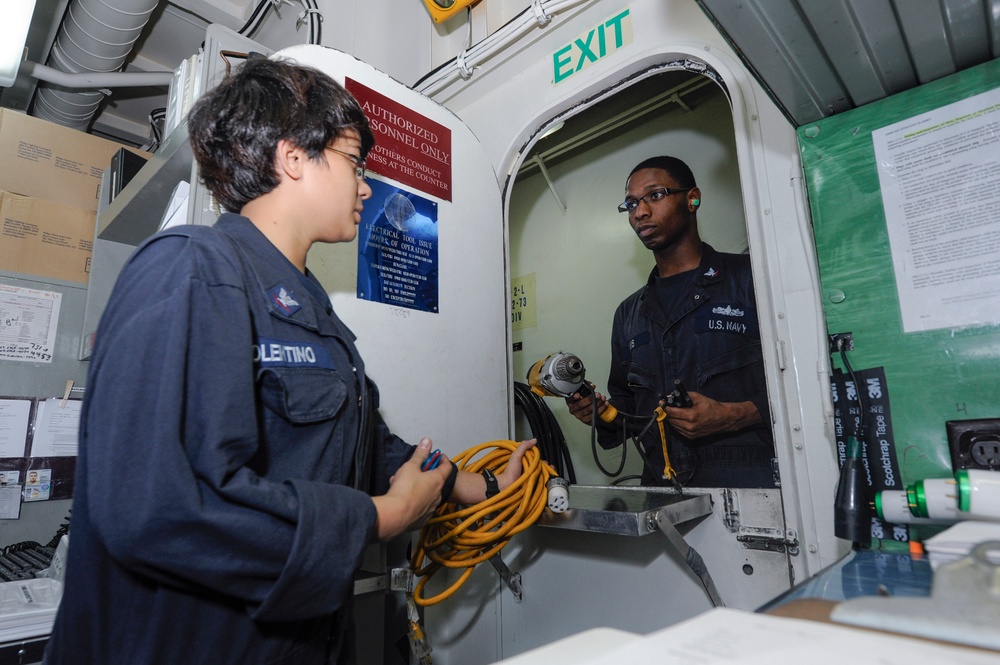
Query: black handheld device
{"points": [[678, 397]]}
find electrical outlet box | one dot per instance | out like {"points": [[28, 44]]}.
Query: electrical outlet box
{"points": [[974, 444], [843, 340]]}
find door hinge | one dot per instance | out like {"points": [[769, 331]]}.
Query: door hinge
{"points": [[769, 540], [730, 510]]}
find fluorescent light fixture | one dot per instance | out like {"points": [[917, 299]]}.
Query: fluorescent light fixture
{"points": [[15, 17], [553, 129]]}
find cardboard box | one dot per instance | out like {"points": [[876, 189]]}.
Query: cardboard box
{"points": [[45, 238], [44, 160]]}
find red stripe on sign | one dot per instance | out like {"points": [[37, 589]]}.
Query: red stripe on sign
{"points": [[409, 147]]}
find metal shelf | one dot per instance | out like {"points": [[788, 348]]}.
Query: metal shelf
{"points": [[638, 511], [136, 212], [626, 511], [133, 216]]}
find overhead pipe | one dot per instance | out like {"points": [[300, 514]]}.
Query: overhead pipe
{"points": [[548, 181], [91, 80], [96, 36], [671, 96]]}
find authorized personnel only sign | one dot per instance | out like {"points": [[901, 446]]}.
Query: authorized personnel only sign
{"points": [[409, 147]]}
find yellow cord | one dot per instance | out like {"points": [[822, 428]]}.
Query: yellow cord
{"points": [[464, 536], [668, 468]]}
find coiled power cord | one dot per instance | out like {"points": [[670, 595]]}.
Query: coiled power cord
{"points": [[460, 536]]}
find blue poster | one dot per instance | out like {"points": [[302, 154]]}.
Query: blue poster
{"points": [[398, 249]]}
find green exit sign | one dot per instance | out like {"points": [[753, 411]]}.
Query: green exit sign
{"points": [[599, 42]]}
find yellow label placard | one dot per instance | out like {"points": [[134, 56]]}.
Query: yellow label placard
{"points": [[522, 302]]}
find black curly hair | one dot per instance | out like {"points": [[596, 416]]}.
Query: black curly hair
{"points": [[674, 167], [235, 127]]}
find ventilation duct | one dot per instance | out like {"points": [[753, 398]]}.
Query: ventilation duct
{"points": [[96, 36]]}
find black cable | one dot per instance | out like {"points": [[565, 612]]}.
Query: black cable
{"points": [[154, 116], [319, 23], [593, 446], [60, 532], [311, 14], [256, 18], [32, 545], [862, 428], [853, 504], [545, 429], [619, 481], [448, 63], [656, 473], [20, 547], [552, 444], [637, 441], [315, 20]]}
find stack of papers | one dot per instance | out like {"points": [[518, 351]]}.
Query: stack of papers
{"points": [[723, 636], [956, 542], [28, 608], [176, 211]]}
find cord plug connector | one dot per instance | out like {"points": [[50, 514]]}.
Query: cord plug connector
{"points": [[558, 494], [678, 397]]}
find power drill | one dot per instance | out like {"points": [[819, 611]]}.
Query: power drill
{"points": [[561, 375]]}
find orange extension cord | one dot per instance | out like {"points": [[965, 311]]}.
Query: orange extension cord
{"points": [[464, 536]]}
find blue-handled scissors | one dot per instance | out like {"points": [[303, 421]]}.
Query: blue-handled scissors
{"points": [[432, 461]]}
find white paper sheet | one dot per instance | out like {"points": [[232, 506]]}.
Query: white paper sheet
{"points": [[939, 174], [734, 637], [175, 213], [28, 322], [14, 414], [10, 502], [56, 428]]}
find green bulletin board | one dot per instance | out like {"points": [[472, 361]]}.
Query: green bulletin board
{"points": [[932, 376]]}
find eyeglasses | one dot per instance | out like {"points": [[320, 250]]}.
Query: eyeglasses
{"points": [[359, 162], [629, 205]]}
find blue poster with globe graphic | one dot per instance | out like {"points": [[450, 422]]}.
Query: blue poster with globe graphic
{"points": [[398, 249]]}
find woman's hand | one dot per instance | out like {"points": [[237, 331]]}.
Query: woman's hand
{"points": [[470, 488], [413, 495], [514, 465]]}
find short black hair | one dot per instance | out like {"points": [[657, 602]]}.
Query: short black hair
{"points": [[675, 167], [235, 127]]}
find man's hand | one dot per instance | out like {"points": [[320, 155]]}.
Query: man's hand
{"points": [[706, 416], [582, 408]]}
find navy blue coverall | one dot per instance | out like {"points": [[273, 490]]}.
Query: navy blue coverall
{"points": [[216, 517], [711, 342]]}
